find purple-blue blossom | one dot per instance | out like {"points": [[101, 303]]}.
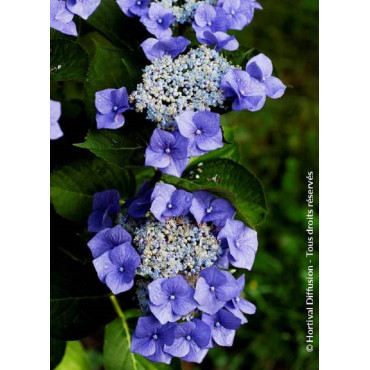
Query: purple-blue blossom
{"points": [[172, 46], [223, 326], [242, 242], [207, 208], [139, 205], [111, 103], [210, 18], [134, 8], [149, 338], [107, 239], [167, 151], [239, 305], [167, 201], [105, 208], [170, 299], [191, 341], [244, 92], [220, 40], [202, 129], [55, 113], [239, 12], [61, 18], [214, 288], [83, 8], [158, 21], [260, 68], [117, 268]]}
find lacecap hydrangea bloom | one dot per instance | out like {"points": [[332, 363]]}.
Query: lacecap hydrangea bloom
{"points": [[170, 245]]}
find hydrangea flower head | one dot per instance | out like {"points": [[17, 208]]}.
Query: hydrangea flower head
{"points": [[167, 151], [134, 8], [83, 8], [244, 91], [61, 18], [55, 113], [116, 268], [170, 299], [158, 21], [260, 68], [150, 337], [223, 326], [111, 103], [105, 208], [242, 243], [191, 341], [172, 46], [207, 208]]}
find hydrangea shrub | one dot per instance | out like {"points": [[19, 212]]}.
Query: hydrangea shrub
{"points": [[164, 214]]}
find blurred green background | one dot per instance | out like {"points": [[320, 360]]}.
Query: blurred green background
{"points": [[279, 144]]}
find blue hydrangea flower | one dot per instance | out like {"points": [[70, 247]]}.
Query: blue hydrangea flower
{"points": [[202, 129], [170, 299], [167, 201], [105, 207], [167, 151], [214, 288], [191, 341], [209, 18], [55, 113], [111, 103], [134, 8], [61, 18], [117, 268], [244, 91], [239, 13], [239, 305], [158, 21], [150, 337], [172, 46], [223, 326], [260, 68], [242, 242], [106, 239], [139, 205], [207, 208], [220, 40], [83, 8]]}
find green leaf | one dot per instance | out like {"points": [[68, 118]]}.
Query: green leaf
{"points": [[73, 186], [109, 68], [68, 60], [57, 349], [117, 354], [114, 146], [75, 358], [229, 180]]}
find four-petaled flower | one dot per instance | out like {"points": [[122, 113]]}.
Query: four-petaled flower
{"points": [[139, 205], [209, 18], [107, 239], [150, 337], [203, 131], [239, 305], [191, 341], [158, 21], [83, 8], [260, 68], [134, 8], [214, 288], [55, 113], [170, 299], [167, 151], [61, 18], [244, 91], [223, 326], [117, 268], [206, 208], [242, 242], [172, 46], [111, 103], [105, 206]]}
